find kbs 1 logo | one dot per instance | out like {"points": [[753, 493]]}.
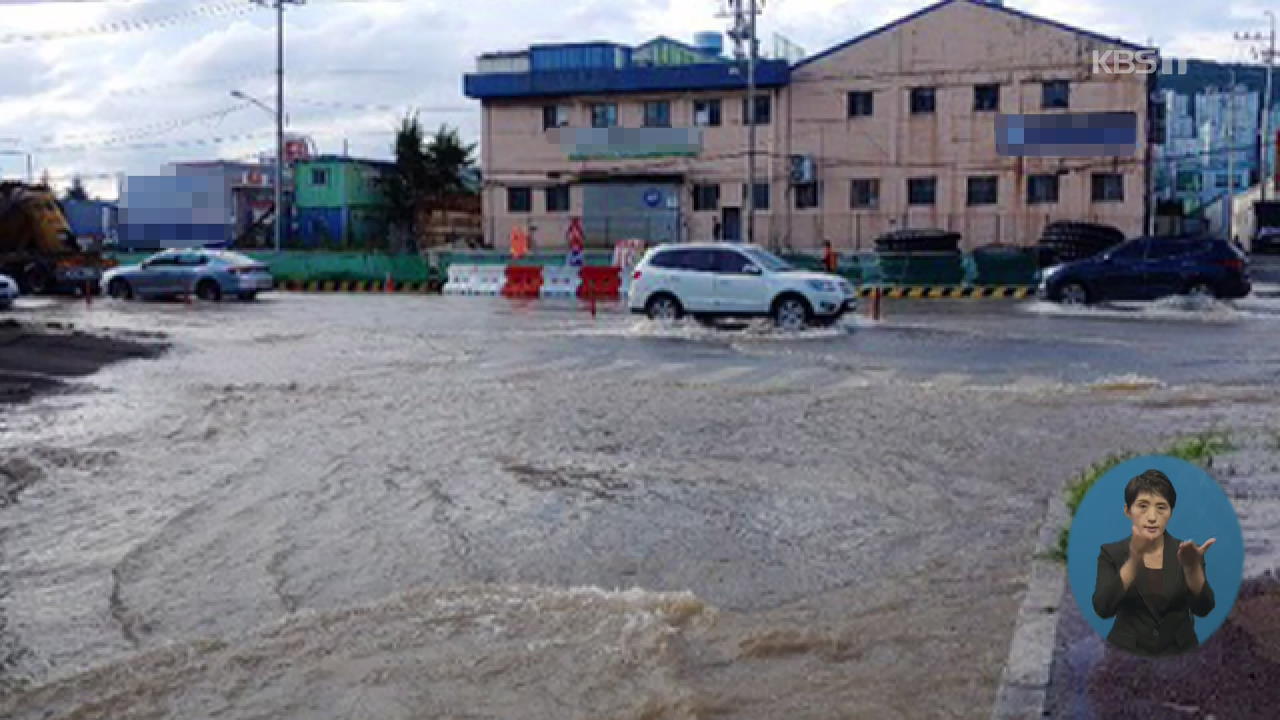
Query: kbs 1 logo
{"points": [[1136, 62]]}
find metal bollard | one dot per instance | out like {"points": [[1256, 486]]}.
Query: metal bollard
{"points": [[88, 293]]}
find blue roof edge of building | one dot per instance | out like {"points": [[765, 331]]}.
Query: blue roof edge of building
{"points": [[636, 79], [348, 159], [943, 3]]}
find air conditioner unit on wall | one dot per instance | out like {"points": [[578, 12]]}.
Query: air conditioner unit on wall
{"points": [[802, 169]]}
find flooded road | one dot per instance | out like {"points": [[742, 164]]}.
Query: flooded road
{"points": [[322, 506]]}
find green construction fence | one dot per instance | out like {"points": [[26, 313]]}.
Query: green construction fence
{"points": [[290, 266], [989, 267], [1002, 267]]}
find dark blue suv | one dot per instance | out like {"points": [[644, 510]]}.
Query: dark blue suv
{"points": [[1151, 268]]}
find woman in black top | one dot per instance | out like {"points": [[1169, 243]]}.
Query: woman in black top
{"points": [[1151, 582]]}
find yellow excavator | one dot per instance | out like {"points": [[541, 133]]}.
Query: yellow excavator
{"points": [[37, 247]]}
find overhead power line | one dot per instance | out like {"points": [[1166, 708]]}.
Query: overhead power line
{"points": [[83, 140], [201, 12], [138, 147]]}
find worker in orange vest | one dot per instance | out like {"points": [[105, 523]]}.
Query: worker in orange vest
{"points": [[830, 260]]}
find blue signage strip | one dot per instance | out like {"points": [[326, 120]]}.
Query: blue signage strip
{"points": [[1071, 135]]}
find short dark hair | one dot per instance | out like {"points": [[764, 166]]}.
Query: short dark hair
{"points": [[1150, 481]]}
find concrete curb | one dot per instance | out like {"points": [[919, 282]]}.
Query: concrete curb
{"points": [[1024, 684]]}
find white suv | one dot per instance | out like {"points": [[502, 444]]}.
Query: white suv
{"points": [[712, 280]]}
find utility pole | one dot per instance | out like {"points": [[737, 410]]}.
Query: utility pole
{"points": [[1268, 56], [1230, 209], [281, 218], [744, 14]]}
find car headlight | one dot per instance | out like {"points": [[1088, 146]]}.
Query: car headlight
{"points": [[822, 285]]}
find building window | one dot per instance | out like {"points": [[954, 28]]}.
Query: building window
{"points": [[986, 98], [923, 100], [864, 193], [706, 113], [808, 195], [1109, 187], [760, 198], [922, 191], [657, 113], [764, 110], [706, 197], [984, 190], [319, 177], [1056, 94], [519, 200], [558, 199], [1042, 189], [604, 115], [555, 116], [861, 104]]}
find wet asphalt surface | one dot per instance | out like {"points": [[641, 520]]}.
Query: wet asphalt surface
{"points": [[451, 507]]}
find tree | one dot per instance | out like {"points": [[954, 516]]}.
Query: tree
{"points": [[405, 184], [425, 172], [449, 160], [76, 191]]}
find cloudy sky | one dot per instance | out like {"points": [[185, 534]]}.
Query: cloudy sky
{"points": [[98, 87]]}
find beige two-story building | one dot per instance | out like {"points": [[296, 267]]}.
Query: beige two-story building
{"points": [[966, 116]]}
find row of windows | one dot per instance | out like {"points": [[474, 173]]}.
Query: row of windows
{"points": [[1054, 94], [520, 199], [864, 193], [657, 113]]}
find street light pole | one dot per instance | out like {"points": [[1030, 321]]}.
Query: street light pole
{"points": [[1265, 128], [279, 112], [1268, 54], [752, 119], [280, 214]]}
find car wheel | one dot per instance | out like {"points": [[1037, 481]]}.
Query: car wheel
{"points": [[791, 314], [120, 289], [37, 280], [1074, 294], [663, 307], [1201, 289], [208, 290]]}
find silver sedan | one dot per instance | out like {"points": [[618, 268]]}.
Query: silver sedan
{"points": [[8, 292], [207, 274]]}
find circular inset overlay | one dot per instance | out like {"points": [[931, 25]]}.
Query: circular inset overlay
{"points": [[1201, 511]]}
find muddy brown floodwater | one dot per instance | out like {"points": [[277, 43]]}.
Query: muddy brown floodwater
{"points": [[397, 507]]}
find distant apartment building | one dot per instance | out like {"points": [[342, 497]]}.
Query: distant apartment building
{"points": [[1211, 132], [966, 115]]}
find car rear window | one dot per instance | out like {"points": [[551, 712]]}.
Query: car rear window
{"points": [[232, 258], [674, 259]]}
